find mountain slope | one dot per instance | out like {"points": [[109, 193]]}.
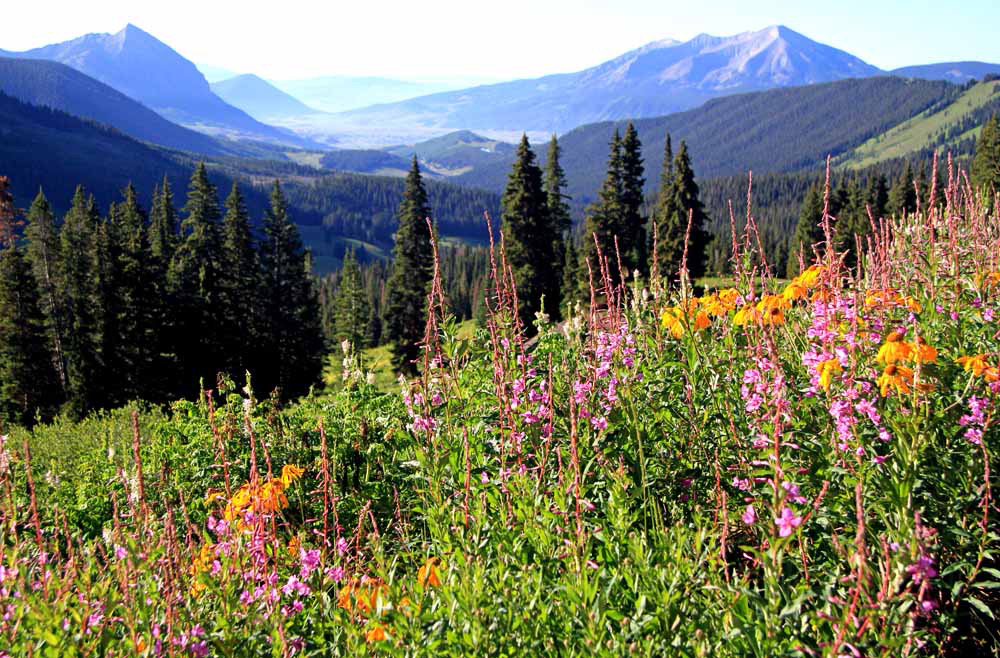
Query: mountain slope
{"points": [[259, 98], [657, 79], [60, 87], [457, 152], [780, 130], [957, 72], [149, 71]]}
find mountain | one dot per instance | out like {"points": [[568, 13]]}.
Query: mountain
{"points": [[149, 71], [657, 79], [337, 93], [457, 153], [259, 98], [366, 161], [957, 72], [56, 85], [781, 130]]}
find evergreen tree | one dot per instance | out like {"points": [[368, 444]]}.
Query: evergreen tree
{"points": [[163, 235], [531, 238], [194, 278], [555, 183], [240, 288], [571, 277], [164, 378], [684, 205], [902, 196], [78, 289], [605, 221], [671, 220], [42, 238], [293, 335], [412, 269], [808, 232], [29, 384], [632, 241], [131, 355], [985, 171], [352, 311]]}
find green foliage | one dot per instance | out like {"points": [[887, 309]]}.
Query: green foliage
{"points": [[985, 171], [351, 310], [678, 204]]}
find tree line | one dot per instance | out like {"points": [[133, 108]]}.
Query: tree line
{"points": [[135, 305]]}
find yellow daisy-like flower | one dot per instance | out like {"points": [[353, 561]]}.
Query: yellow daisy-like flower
{"points": [[730, 297], [827, 369], [894, 349], [921, 352], [746, 315], [290, 474], [769, 303], [811, 276], [375, 634], [795, 291], [897, 378], [673, 321], [976, 364]]}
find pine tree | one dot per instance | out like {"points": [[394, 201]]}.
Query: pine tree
{"points": [[571, 277], [985, 171], [194, 278], [352, 312], [808, 232], [412, 269], [559, 216], [292, 333], [131, 355], [671, 221], [29, 384], [531, 238], [605, 221], [164, 379], [42, 239], [240, 289], [902, 196], [674, 213], [632, 241], [78, 288]]}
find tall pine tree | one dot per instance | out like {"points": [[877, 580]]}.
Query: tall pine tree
{"points": [[632, 241], [555, 184], [985, 172], [412, 269], [605, 221], [293, 335], [42, 237], [240, 288], [531, 238], [352, 309]]}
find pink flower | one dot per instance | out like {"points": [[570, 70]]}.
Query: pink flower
{"points": [[750, 516], [787, 522]]}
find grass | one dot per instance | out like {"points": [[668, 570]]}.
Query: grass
{"points": [[916, 133]]}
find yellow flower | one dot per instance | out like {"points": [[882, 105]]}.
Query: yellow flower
{"points": [[896, 378], [290, 474], [769, 303], [976, 364], [294, 546], [746, 315], [827, 369], [921, 352], [428, 575], [891, 299], [673, 320], [795, 291], [894, 349], [811, 276]]}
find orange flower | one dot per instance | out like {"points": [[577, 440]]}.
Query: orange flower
{"points": [[810, 277], [976, 364], [922, 352], [364, 595], [894, 350], [891, 299], [673, 320], [375, 634], [896, 378], [795, 291], [290, 474], [428, 575]]}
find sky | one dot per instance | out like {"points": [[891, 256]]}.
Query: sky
{"points": [[438, 39]]}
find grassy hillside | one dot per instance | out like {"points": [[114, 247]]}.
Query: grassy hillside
{"points": [[943, 127]]}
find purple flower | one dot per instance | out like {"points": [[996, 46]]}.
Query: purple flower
{"points": [[750, 516], [787, 522], [599, 423], [923, 569], [310, 560]]}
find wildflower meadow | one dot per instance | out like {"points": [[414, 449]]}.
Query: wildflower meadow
{"points": [[771, 468]]}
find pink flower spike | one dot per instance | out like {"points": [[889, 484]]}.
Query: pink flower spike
{"points": [[750, 516]]}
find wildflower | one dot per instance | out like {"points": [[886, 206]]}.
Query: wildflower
{"points": [[922, 352], [750, 516], [898, 378], [811, 276], [827, 369], [428, 575], [364, 595], [894, 349], [290, 474], [375, 634], [889, 298], [795, 291], [976, 364], [673, 320], [923, 569], [787, 522]]}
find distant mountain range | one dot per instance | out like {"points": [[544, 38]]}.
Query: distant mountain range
{"points": [[147, 70], [337, 93], [259, 98]]}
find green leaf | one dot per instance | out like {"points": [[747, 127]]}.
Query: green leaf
{"points": [[981, 607]]}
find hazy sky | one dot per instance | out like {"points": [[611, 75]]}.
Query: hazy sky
{"points": [[499, 39]]}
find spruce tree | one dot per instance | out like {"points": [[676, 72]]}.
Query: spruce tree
{"points": [[671, 221], [131, 355], [412, 268], [531, 237], [240, 288], [632, 241], [292, 333], [571, 276], [604, 222], [555, 184], [352, 311], [29, 384], [79, 291], [194, 278], [42, 237], [673, 214], [808, 231], [163, 239], [985, 171], [902, 196]]}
